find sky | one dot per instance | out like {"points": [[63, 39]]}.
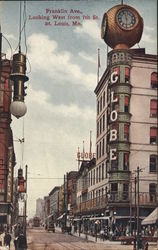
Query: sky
{"points": [[62, 71]]}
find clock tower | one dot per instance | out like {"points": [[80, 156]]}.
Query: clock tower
{"points": [[121, 27], [123, 119]]}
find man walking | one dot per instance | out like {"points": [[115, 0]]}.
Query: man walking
{"points": [[21, 242], [7, 239]]}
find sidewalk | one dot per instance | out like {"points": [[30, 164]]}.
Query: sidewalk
{"points": [[91, 238], [152, 245]]}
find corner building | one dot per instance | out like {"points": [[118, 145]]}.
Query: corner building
{"points": [[126, 119]]}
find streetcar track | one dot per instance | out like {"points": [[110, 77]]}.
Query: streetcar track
{"points": [[71, 248]]}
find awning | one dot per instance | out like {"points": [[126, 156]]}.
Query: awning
{"points": [[99, 218], [151, 218], [51, 215], [61, 216]]}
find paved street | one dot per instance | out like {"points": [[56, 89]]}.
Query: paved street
{"points": [[41, 240]]}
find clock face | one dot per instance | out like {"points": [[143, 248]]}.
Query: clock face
{"points": [[126, 19], [104, 26]]}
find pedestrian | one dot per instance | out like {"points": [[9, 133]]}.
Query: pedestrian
{"points": [[21, 242], [7, 239], [146, 245]]}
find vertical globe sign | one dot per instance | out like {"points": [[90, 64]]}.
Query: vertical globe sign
{"points": [[18, 76]]}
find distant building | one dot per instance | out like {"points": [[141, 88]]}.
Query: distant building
{"points": [[40, 208], [61, 200], [71, 192], [46, 208], [54, 202]]}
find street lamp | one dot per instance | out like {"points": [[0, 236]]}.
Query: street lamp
{"points": [[18, 107]]}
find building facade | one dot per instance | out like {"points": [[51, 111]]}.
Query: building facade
{"points": [[54, 202], [7, 156], [127, 97]]}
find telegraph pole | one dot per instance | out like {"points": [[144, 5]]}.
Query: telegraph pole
{"points": [[138, 227], [25, 209], [135, 182]]}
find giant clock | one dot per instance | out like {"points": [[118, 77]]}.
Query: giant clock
{"points": [[121, 27]]}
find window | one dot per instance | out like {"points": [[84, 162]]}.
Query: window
{"points": [[94, 177], [103, 147], [125, 187], [89, 179], [126, 161], [97, 175], [104, 99], [153, 108], [98, 108], [97, 152], [103, 122], [100, 149], [127, 74], [126, 132], [103, 171], [106, 169], [126, 104], [102, 191], [153, 135], [101, 103], [117, 69], [153, 163], [125, 191], [154, 80], [100, 130], [97, 129], [114, 165], [152, 192], [114, 187], [115, 105]]}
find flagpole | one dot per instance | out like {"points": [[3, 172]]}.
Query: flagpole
{"points": [[78, 158], [98, 65], [90, 151], [83, 150]]}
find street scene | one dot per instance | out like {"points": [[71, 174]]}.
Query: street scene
{"points": [[78, 125], [41, 239]]}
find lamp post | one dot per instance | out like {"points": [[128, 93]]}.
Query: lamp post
{"points": [[25, 202]]}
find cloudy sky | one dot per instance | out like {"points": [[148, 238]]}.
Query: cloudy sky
{"points": [[62, 70]]}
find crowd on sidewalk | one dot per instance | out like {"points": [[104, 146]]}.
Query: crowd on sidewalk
{"points": [[15, 235]]}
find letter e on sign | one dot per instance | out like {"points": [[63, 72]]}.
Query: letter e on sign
{"points": [[113, 154]]}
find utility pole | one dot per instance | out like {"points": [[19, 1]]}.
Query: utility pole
{"points": [[65, 201], [130, 208], [25, 209], [135, 182], [0, 51], [138, 226]]}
